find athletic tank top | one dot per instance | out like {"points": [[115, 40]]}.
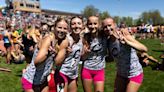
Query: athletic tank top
{"points": [[71, 63], [27, 42], [126, 59], [96, 58], [6, 39], [38, 74]]}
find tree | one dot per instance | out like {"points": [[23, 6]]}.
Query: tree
{"points": [[152, 17], [104, 15], [156, 17], [117, 19], [138, 22], [128, 20], [90, 11]]}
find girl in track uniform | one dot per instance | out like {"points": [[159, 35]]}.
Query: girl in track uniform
{"points": [[34, 78], [123, 48], [94, 57]]}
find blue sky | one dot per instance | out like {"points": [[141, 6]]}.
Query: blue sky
{"points": [[131, 8]]}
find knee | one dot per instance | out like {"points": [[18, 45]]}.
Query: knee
{"points": [[22, 57]]}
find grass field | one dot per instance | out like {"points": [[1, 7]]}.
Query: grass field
{"points": [[153, 80]]}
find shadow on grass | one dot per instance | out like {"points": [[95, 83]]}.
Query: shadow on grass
{"points": [[158, 50], [19, 73]]}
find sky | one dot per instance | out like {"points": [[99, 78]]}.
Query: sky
{"points": [[131, 8]]}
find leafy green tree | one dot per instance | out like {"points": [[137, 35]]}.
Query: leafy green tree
{"points": [[152, 17], [90, 10], [117, 19], [104, 15], [128, 20]]}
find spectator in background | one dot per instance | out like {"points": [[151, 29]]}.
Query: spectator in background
{"points": [[8, 44], [122, 25], [29, 45], [2, 48], [142, 31], [159, 31], [146, 59], [17, 56]]}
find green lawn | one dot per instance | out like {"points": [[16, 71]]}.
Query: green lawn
{"points": [[153, 80]]}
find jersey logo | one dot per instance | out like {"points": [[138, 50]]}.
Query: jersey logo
{"points": [[97, 48]]}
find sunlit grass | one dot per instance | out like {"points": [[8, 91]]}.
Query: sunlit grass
{"points": [[153, 80]]}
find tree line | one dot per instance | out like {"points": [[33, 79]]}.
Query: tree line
{"points": [[153, 17]]}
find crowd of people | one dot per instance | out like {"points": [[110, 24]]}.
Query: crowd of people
{"points": [[53, 47], [145, 31]]}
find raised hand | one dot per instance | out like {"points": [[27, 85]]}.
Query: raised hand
{"points": [[69, 50], [52, 50]]}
